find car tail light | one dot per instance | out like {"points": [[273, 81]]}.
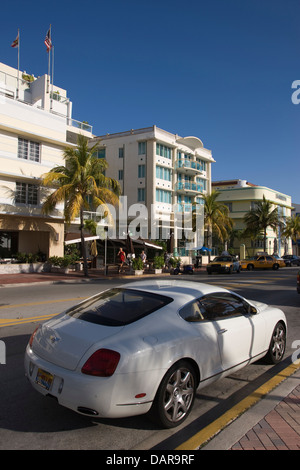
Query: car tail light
{"points": [[102, 363], [32, 336]]}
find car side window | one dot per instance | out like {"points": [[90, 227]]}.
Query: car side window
{"points": [[222, 305], [192, 312], [269, 258]]}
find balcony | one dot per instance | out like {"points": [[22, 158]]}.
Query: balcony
{"points": [[188, 188], [188, 167]]}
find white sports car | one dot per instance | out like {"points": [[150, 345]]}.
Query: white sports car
{"points": [[147, 346]]}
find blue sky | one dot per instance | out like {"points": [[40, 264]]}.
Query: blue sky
{"points": [[221, 70]]}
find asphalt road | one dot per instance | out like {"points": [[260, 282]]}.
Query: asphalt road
{"points": [[30, 421]]}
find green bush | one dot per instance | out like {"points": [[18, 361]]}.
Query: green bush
{"points": [[61, 261], [158, 262], [137, 264]]}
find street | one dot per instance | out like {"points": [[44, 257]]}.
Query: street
{"points": [[30, 421]]}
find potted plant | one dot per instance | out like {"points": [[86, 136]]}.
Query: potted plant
{"points": [[137, 266], [60, 263], [158, 264]]}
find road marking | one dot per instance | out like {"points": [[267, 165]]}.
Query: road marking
{"points": [[21, 321], [44, 302], [207, 433]]}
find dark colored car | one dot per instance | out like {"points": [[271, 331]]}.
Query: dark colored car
{"points": [[298, 282], [291, 260]]}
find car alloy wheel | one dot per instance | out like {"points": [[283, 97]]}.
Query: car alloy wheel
{"points": [[277, 344], [175, 395]]}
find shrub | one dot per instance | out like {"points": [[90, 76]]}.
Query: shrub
{"points": [[137, 264]]}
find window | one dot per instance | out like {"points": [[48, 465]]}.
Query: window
{"points": [[121, 174], [141, 171], [121, 152], [142, 148], [163, 196], [26, 194], [192, 312], [163, 151], [163, 173], [28, 150], [101, 153], [118, 307], [222, 305], [141, 194]]}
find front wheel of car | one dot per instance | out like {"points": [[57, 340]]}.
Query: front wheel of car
{"points": [[250, 267], [277, 345], [275, 266], [175, 395]]}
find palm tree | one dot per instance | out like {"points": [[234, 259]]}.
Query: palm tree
{"points": [[80, 184], [262, 217], [216, 218], [292, 228]]}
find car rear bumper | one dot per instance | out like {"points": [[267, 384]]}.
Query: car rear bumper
{"points": [[105, 397]]}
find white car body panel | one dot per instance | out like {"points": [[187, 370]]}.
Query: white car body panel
{"points": [[148, 348]]}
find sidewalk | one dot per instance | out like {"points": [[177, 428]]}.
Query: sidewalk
{"points": [[272, 424]]}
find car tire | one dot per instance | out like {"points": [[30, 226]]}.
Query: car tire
{"points": [[275, 266], [277, 345], [175, 396], [250, 267]]}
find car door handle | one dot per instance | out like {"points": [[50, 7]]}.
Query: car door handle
{"points": [[220, 332]]}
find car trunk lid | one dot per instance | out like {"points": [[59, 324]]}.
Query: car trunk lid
{"points": [[65, 340]]}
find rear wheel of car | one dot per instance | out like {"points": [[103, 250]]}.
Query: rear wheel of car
{"points": [[175, 395], [250, 267], [275, 266], [277, 345]]}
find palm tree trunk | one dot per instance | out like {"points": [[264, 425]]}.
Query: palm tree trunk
{"points": [[83, 247], [265, 240]]}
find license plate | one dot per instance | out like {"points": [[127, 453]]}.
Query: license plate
{"points": [[44, 379]]}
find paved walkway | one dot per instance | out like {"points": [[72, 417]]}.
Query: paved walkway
{"points": [[272, 424]]}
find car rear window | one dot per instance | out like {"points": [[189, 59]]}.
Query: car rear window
{"points": [[118, 307]]}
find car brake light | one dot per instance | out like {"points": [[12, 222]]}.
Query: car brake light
{"points": [[102, 363], [32, 336]]}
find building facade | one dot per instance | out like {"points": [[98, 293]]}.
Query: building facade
{"points": [[240, 197], [36, 125], [159, 170]]}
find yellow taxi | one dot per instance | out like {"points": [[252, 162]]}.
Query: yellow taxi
{"points": [[262, 262], [224, 264]]}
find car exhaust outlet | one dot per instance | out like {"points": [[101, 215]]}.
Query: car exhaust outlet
{"points": [[87, 411]]}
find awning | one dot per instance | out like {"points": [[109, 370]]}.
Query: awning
{"points": [[73, 238]]}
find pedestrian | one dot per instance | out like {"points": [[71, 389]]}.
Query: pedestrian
{"points": [[143, 257], [122, 257]]}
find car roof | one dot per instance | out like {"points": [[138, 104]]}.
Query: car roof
{"points": [[175, 289]]}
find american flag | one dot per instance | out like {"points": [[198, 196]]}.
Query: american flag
{"points": [[16, 42], [48, 41]]}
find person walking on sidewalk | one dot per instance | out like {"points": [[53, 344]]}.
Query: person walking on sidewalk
{"points": [[122, 257]]}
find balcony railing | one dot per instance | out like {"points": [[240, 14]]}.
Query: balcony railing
{"points": [[189, 187], [189, 164]]}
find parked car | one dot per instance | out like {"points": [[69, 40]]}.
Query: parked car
{"points": [[280, 261], [298, 282], [146, 347], [291, 260], [224, 264], [262, 262]]}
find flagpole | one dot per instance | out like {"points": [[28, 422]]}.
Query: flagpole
{"points": [[51, 99], [18, 64], [48, 79]]}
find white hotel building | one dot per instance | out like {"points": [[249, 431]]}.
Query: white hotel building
{"points": [[35, 127], [159, 170]]}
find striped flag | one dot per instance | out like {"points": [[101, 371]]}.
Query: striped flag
{"points": [[15, 43], [48, 41]]}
